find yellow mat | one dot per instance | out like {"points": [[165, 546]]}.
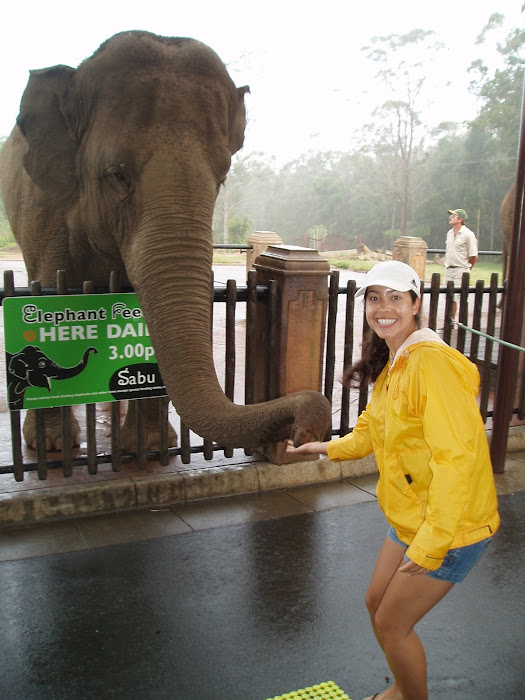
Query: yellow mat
{"points": [[321, 691]]}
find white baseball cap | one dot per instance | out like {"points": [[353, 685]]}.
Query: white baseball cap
{"points": [[393, 274]]}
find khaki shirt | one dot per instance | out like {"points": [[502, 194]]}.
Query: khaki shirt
{"points": [[460, 248]]}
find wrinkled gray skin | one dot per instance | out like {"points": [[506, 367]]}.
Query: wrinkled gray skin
{"points": [[117, 165]]}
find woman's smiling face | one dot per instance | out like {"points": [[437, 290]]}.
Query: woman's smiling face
{"points": [[390, 314]]}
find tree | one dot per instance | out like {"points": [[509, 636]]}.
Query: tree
{"points": [[396, 139], [494, 132], [500, 89], [248, 191]]}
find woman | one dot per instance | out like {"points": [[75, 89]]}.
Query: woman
{"points": [[436, 485]]}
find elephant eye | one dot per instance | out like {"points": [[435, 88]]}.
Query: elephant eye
{"points": [[119, 177], [118, 180], [41, 364]]}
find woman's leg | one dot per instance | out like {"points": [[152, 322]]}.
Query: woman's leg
{"points": [[396, 602], [389, 560], [405, 601]]}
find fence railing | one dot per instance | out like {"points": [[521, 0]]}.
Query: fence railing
{"points": [[235, 308]]}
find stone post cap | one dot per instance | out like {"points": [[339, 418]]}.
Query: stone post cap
{"points": [[292, 259]]}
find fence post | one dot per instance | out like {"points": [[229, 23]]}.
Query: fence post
{"points": [[411, 250], [259, 240], [298, 327]]}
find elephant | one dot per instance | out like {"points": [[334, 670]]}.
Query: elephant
{"points": [[32, 367], [116, 165]]}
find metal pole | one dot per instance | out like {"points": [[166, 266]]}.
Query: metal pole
{"points": [[507, 371]]}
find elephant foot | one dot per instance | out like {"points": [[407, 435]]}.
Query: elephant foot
{"points": [[53, 430], [128, 437]]}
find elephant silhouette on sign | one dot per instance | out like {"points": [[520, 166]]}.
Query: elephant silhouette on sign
{"points": [[32, 367]]}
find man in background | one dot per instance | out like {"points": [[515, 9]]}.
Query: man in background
{"points": [[461, 250]]}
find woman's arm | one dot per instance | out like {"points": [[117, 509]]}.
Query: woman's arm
{"points": [[309, 448]]}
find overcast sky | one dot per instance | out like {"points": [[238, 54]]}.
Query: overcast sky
{"points": [[311, 87]]}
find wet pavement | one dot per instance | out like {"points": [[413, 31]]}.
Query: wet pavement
{"points": [[267, 604]]}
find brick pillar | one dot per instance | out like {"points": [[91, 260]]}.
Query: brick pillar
{"points": [[301, 275]]}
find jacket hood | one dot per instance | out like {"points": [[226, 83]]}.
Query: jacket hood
{"points": [[423, 335], [466, 370]]}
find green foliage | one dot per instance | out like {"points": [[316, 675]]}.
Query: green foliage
{"points": [[239, 227]]}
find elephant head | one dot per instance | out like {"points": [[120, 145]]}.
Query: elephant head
{"points": [[32, 367], [124, 157]]}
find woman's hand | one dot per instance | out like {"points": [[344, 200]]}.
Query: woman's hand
{"points": [[309, 448], [412, 569]]}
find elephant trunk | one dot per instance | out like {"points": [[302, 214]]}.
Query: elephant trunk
{"points": [[170, 269]]}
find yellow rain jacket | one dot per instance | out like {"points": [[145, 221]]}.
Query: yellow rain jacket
{"points": [[436, 485]]}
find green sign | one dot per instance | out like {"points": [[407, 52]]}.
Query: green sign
{"points": [[63, 350]]}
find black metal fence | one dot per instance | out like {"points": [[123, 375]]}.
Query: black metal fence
{"points": [[234, 307]]}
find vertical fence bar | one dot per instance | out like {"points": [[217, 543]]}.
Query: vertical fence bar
{"points": [[435, 283], [66, 417], [140, 432], [449, 300], [476, 320], [229, 360], [164, 404], [463, 311], [185, 448], [14, 416], [348, 354], [116, 461], [40, 421], [333, 298], [249, 362], [363, 389], [91, 414], [486, 373]]}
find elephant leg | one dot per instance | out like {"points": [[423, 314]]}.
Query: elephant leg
{"points": [[53, 429], [128, 431]]}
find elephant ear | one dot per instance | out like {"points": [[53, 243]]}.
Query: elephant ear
{"points": [[50, 159], [238, 123], [17, 366]]}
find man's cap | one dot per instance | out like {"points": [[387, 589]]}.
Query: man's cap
{"points": [[460, 213], [392, 274]]}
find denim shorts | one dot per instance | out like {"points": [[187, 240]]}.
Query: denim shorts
{"points": [[457, 562]]}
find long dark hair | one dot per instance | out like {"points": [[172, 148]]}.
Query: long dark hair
{"points": [[374, 356]]}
